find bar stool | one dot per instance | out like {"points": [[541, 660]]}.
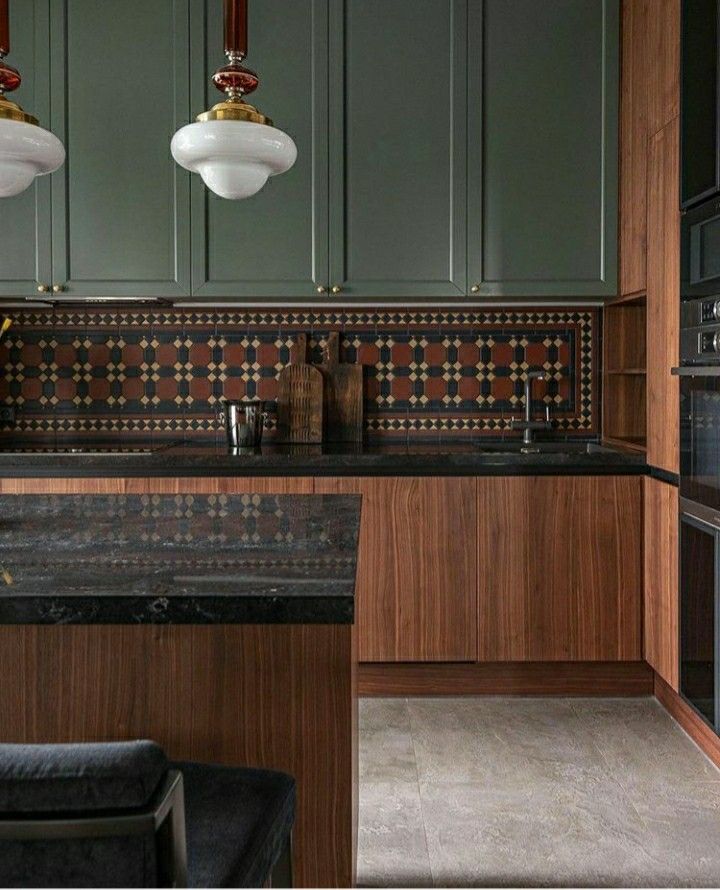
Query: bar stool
{"points": [[119, 814]]}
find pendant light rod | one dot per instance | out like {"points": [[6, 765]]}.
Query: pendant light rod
{"points": [[4, 28], [236, 28]]}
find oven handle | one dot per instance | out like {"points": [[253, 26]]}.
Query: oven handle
{"points": [[696, 371]]}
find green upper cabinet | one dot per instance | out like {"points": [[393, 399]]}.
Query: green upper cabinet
{"points": [[447, 150], [274, 244], [25, 219], [120, 205], [542, 170], [398, 75]]}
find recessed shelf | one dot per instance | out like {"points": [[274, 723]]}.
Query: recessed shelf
{"points": [[637, 299], [632, 443]]}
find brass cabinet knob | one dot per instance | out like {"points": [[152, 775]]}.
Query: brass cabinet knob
{"points": [[43, 288], [336, 289], [475, 288], [321, 289], [58, 288]]}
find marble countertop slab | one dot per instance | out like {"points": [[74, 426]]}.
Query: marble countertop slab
{"points": [[186, 559]]}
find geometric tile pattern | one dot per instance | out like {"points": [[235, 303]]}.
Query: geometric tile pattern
{"points": [[154, 370]]}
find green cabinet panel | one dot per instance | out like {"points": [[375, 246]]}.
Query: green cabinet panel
{"points": [[398, 73], [25, 219], [542, 170], [120, 89], [275, 243]]}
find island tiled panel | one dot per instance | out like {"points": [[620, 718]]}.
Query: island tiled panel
{"points": [[159, 370]]}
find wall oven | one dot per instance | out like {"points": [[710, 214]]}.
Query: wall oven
{"points": [[700, 251], [699, 376], [699, 587]]}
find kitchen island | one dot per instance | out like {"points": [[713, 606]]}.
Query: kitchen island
{"points": [[218, 625]]}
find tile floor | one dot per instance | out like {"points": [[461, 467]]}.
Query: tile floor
{"points": [[532, 792]]}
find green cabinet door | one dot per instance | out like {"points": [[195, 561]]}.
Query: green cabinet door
{"points": [[542, 168], [25, 219], [273, 245], [120, 85], [398, 73]]}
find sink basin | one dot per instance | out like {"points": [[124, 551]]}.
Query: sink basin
{"points": [[545, 448]]}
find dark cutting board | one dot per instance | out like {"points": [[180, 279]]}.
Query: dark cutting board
{"points": [[343, 397], [300, 398]]}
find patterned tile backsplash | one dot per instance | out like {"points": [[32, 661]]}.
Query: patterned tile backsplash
{"points": [[157, 371]]}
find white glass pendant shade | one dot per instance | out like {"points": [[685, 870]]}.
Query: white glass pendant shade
{"points": [[26, 151], [235, 158]]}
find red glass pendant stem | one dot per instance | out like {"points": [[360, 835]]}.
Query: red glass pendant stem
{"points": [[234, 79], [4, 28], [9, 78], [236, 27]]}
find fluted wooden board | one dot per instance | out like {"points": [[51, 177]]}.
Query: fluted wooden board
{"points": [[300, 399], [560, 568], [660, 627], [416, 585]]}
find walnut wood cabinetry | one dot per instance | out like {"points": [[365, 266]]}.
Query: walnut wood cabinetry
{"points": [[639, 397], [416, 586], [663, 298], [560, 568], [633, 145], [660, 629]]}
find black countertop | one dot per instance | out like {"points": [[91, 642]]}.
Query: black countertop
{"points": [[469, 458], [178, 559]]}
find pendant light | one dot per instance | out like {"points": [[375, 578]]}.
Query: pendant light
{"points": [[233, 146], [26, 150]]}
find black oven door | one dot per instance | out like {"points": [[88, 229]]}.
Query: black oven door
{"points": [[700, 435], [700, 251], [699, 565]]}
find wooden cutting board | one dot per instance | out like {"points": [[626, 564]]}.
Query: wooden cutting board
{"points": [[343, 397], [300, 398]]}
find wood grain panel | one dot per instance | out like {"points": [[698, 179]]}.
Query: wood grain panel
{"points": [[416, 587], [159, 485], [270, 696], [633, 145], [660, 627], [507, 678], [694, 726], [663, 63], [560, 568], [663, 298]]}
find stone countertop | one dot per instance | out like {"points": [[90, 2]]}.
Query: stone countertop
{"points": [[178, 559], [481, 457]]}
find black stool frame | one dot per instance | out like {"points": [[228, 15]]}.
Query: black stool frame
{"points": [[164, 818]]}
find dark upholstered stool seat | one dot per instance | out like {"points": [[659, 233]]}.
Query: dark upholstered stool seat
{"points": [[238, 823], [119, 815]]}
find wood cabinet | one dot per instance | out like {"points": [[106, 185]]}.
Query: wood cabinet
{"points": [[633, 145], [542, 163], [661, 618], [398, 147], [275, 243], [663, 299], [119, 90], [25, 248], [471, 152], [663, 63], [416, 585], [560, 568]]}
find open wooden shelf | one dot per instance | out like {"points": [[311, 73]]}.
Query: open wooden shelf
{"points": [[624, 372], [632, 443], [637, 299]]}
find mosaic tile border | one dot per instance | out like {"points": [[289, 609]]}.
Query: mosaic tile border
{"points": [[146, 370]]}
